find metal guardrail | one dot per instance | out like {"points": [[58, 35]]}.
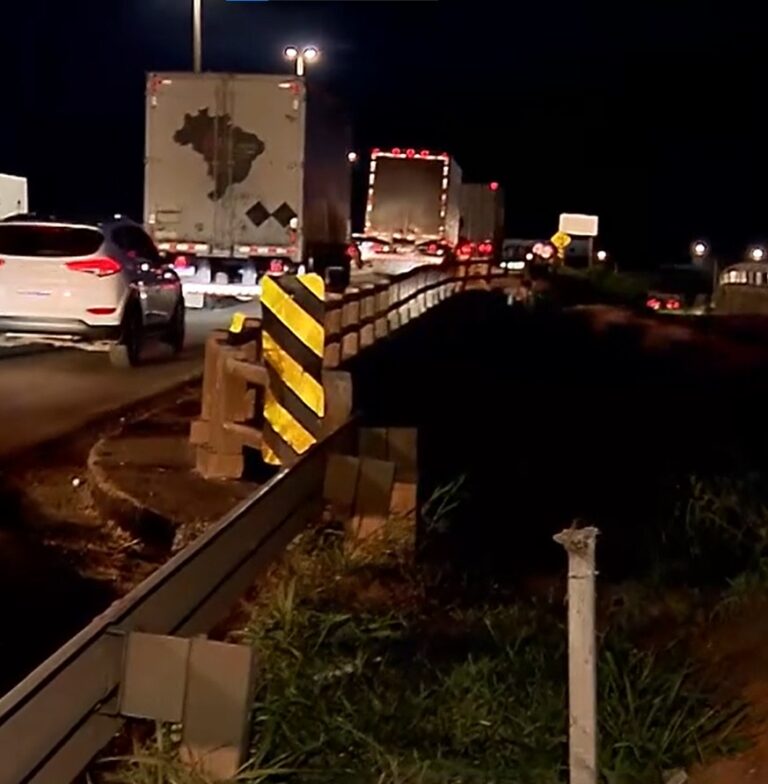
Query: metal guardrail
{"points": [[56, 720]]}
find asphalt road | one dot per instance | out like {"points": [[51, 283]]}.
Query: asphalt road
{"points": [[47, 395]]}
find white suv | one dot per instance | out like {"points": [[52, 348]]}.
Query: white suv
{"points": [[96, 286]]}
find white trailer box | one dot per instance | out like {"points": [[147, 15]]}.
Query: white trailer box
{"points": [[413, 198], [13, 195], [482, 216], [244, 172]]}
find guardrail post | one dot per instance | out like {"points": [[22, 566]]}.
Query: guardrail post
{"points": [[229, 400], [350, 324], [367, 315], [333, 309], [393, 314], [381, 320], [204, 685]]}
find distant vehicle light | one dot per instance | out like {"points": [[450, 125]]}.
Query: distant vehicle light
{"points": [[653, 303], [529, 256], [311, 53], [181, 262], [494, 186], [673, 304], [516, 265], [352, 157]]}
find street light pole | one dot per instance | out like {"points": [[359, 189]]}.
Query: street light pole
{"points": [[197, 35]]}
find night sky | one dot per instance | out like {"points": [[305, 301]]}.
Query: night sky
{"points": [[650, 114]]}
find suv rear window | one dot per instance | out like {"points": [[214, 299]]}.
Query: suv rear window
{"points": [[48, 241]]}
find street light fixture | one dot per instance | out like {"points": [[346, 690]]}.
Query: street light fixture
{"points": [[301, 57], [602, 255], [757, 253], [352, 157], [700, 249]]}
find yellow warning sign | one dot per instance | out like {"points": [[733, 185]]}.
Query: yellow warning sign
{"points": [[561, 240]]}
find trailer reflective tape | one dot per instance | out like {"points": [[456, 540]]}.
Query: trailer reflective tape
{"points": [[290, 372], [286, 425], [297, 320]]}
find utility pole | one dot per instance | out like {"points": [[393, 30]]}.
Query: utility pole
{"points": [[197, 35]]}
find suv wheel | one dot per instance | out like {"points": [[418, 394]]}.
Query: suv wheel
{"points": [[174, 337], [127, 353]]}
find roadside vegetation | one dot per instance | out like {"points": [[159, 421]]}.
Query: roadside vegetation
{"points": [[376, 670], [603, 285]]}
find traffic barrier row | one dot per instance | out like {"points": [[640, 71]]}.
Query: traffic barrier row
{"points": [[280, 405]]}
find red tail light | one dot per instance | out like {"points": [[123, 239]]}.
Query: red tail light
{"points": [[653, 303], [494, 186], [673, 304], [424, 153], [466, 249], [101, 268], [410, 153], [2, 261], [102, 311], [486, 248], [275, 265], [432, 248], [181, 262], [396, 151]]}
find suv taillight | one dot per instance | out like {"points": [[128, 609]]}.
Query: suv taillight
{"points": [[101, 267]]}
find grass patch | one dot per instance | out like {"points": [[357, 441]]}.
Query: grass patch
{"points": [[467, 694]]}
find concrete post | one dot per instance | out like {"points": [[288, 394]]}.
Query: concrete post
{"points": [[579, 543]]}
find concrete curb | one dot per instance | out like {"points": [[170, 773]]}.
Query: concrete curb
{"points": [[128, 512]]}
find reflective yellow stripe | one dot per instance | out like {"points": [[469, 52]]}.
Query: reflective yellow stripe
{"points": [[290, 371], [301, 324], [268, 456], [286, 426], [238, 322], [314, 283]]}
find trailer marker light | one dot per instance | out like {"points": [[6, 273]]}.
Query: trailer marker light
{"points": [[410, 153], [424, 153], [396, 151], [494, 186]]}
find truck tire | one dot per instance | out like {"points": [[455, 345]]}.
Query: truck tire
{"points": [[127, 353]]}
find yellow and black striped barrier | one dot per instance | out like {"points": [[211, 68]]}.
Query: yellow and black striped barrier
{"points": [[293, 340]]}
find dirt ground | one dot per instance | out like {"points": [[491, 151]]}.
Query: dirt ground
{"points": [[737, 652], [63, 558]]}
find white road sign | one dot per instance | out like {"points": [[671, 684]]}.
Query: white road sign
{"points": [[577, 225]]}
